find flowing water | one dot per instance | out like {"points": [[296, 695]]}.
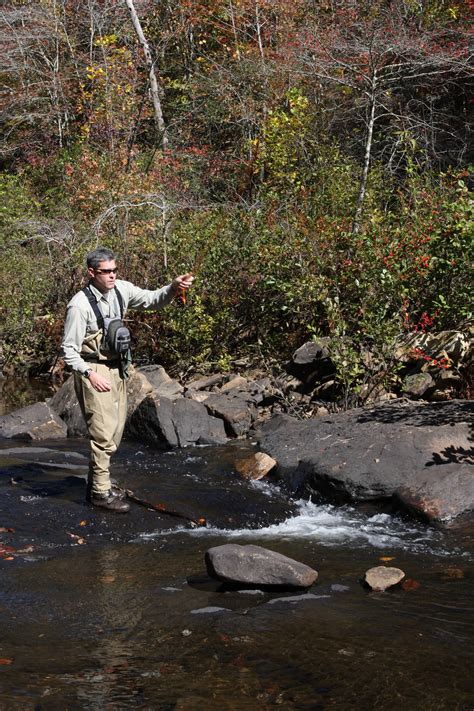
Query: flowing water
{"points": [[117, 612]]}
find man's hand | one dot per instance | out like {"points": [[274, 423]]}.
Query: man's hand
{"points": [[182, 282], [99, 383]]}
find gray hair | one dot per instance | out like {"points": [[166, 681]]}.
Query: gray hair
{"points": [[101, 254]]}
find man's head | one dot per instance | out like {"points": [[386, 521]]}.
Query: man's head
{"points": [[102, 269]]}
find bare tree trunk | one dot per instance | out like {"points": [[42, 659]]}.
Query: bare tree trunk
{"points": [[154, 89], [259, 30], [367, 156], [234, 29]]}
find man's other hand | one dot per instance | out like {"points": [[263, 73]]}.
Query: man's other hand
{"points": [[99, 383]]}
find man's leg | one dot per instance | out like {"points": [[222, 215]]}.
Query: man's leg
{"points": [[104, 413]]}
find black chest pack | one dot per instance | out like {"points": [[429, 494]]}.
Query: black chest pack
{"points": [[116, 337]]}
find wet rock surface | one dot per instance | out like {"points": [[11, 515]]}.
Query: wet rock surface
{"points": [[46, 487], [418, 455]]}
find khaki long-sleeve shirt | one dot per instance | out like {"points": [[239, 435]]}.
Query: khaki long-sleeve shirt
{"points": [[82, 335]]}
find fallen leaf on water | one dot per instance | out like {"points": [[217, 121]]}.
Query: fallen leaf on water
{"points": [[28, 549], [6, 661], [386, 558], [6, 530], [410, 584], [9, 557], [6, 549], [80, 541], [83, 523]]}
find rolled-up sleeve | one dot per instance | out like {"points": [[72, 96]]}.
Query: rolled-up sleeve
{"points": [[74, 333]]}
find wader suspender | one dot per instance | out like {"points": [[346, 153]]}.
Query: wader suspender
{"points": [[100, 319], [95, 307]]}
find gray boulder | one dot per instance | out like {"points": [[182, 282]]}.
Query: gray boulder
{"points": [[254, 565], [419, 385], [65, 404], [161, 381], [312, 361], [174, 423], [207, 382], [34, 422], [237, 411], [418, 455]]}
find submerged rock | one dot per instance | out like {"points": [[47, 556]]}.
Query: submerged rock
{"points": [[254, 565], [382, 577]]}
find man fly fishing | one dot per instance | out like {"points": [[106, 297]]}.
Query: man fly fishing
{"points": [[96, 347]]}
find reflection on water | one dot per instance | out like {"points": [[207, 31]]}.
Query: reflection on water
{"points": [[117, 627]]}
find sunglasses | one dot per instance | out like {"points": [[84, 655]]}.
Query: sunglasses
{"points": [[106, 271]]}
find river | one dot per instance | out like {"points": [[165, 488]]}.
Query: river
{"points": [[116, 612]]}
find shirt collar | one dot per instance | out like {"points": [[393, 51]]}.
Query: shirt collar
{"points": [[98, 294]]}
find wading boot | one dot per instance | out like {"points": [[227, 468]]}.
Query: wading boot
{"points": [[109, 501], [114, 488]]}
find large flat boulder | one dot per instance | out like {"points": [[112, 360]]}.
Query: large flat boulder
{"points": [[417, 454], [254, 565], [34, 422]]}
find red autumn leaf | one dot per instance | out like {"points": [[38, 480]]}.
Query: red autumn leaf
{"points": [[410, 584], [6, 662], [6, 530]]}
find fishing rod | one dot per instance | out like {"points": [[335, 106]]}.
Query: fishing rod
{"points": [[161, 508]]}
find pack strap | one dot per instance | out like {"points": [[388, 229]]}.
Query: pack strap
{"points": [[95, 306]]}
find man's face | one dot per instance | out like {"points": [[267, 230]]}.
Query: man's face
{"points": [[103, 278]]}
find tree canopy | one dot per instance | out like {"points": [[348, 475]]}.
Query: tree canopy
{"points": [[309, 160]]}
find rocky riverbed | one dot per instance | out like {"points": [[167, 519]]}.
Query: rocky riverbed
{"points": [[105, 611], [99, 610], [411, 455]]}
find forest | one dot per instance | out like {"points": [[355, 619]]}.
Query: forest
{"points": [[310, 162]]}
